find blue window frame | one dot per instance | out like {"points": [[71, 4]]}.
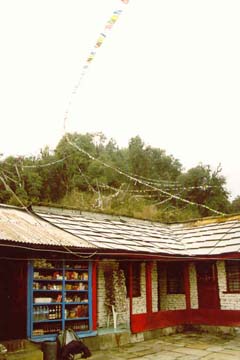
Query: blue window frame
{"points": [[59, 297]]}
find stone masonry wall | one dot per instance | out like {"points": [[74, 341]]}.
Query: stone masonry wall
{"points": [[101, 292], [170, 301], [173, 301], [228, 301], [139, 303], [154, 287], [193, 286]]}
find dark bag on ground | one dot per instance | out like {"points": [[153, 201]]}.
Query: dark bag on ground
{"points": [[69, 344]]}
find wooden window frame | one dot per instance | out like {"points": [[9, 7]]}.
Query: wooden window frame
{"points": [[136, 278], [232, 277], [175, 277]]}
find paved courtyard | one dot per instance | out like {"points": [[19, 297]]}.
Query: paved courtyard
{"points": [[187, 346]]}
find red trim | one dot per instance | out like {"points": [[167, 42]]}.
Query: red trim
{"points": [[187, 286], [148, 271], [156, 320], [215, 317], [161, 319], [94, 295]]}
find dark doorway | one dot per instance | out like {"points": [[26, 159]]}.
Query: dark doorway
{"points": [[13, 299], [208, 297]]}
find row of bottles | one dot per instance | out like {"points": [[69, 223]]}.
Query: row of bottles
{"points": [[46, 330], [51, 329], [47, 313], [80, 326], [51, 264]]}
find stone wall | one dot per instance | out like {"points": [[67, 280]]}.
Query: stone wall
{"points": [[228, 301], [139, 303], [193, 286], [154, 287], [173, 301], [169, 301], [101, 292]]}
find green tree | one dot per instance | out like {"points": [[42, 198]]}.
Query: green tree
{"points": [[235, 205], [201, 185]]}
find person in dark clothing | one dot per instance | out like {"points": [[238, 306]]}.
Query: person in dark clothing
{"points": [[73, 348]]}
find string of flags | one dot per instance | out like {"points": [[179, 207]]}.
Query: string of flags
{"points": [[98, 44], [141, 182], [100, 40]]}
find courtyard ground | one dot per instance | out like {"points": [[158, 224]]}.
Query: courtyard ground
{"points": [[184, 346]]}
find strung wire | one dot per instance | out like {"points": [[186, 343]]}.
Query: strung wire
{"points": [[50, 250], [47, 164], [161, 181], [86, 179], [8, 188], [223, 236], [132, 178]]}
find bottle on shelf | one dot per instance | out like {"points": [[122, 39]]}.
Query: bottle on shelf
{"points": [[50, 314], [53, 313], [59, 312]]}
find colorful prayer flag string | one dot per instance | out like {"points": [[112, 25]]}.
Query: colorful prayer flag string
{"points": [[102, 36]]}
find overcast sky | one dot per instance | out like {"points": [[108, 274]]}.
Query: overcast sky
{"points": [[167, 71]]}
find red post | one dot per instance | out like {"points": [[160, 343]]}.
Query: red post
{"points": [[94, 295], [149, 266], [187, 286]]}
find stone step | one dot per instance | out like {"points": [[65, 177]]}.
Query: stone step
{"points": [[21, 350]]}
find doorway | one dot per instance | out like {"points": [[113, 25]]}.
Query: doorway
{"points": [[208, 296], [13, 299]]}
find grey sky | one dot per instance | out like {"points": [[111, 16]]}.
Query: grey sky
{"points": [[167, 71]]}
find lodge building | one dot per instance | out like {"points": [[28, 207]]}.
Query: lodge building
{"points": [[100, 274]]}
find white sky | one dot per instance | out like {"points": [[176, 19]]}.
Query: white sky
{"points": [[168, 71]]}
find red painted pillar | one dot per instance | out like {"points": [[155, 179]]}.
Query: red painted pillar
{"points": [[187, 286], [94, 294], [149, 266]]}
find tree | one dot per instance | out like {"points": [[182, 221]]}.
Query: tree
{"points": [[137, 157], [235, 205], [201, 185]]}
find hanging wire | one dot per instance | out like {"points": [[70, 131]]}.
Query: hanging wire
{"points": [[136, 180], [8, 188]]}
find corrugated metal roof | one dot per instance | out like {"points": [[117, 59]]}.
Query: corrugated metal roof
{"points": [[195, 238], [22, 226]]}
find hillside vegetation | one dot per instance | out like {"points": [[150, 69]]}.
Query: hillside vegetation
{"points": [[89, 172]]}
